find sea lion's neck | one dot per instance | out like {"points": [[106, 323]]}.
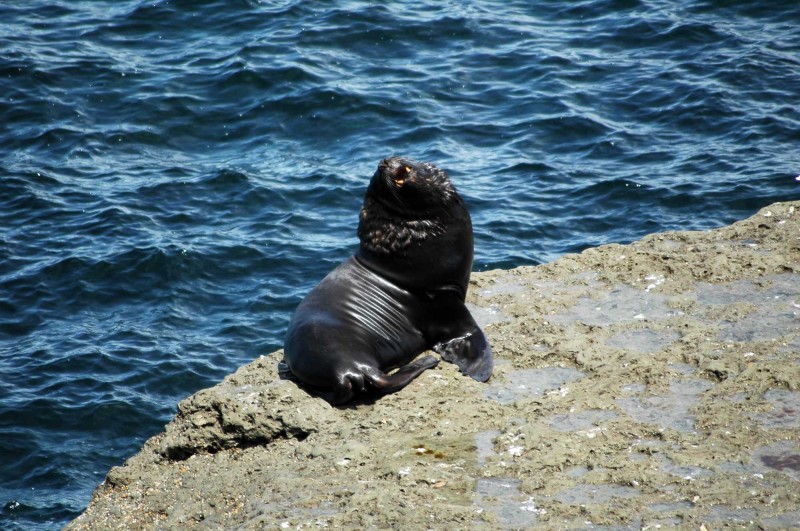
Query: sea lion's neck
{"points": [[427, 285], [422, 251], [384, 233]]}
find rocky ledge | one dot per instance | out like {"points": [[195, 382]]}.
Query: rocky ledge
{"points": [[656, 383]]}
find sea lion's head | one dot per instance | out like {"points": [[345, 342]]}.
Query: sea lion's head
{"points": [[409, 203], [414, 228], [410, 189]]}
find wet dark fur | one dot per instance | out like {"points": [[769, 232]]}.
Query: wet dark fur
{"points": [[402, 293]]}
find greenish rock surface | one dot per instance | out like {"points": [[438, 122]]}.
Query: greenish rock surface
{"points": [[642, 385]]}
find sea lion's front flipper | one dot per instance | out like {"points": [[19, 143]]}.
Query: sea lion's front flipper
{"points": [[471, 353], [455, 335]]}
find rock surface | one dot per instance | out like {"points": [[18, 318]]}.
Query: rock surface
{"points": [[656, 383]]}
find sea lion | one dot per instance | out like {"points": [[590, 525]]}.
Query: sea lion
{"points": [[402, 293]]}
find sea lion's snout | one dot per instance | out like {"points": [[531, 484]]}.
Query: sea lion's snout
{"points": [[397, 169]]}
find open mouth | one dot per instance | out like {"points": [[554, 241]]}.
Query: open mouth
{"points": [[400, 175]]}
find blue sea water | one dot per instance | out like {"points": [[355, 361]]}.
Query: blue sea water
{"points": [[175, 175]]}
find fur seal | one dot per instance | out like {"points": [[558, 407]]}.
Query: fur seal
{"points": [[402, 293]]}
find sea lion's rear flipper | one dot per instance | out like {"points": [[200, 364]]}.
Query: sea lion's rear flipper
{"points": [[364, 381], [373, 381], [471, 353], [390, 383]]}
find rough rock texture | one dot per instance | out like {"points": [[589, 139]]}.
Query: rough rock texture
{"points": [[656, 383]]}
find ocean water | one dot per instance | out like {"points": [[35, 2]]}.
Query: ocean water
{"points": [[175, 175]]}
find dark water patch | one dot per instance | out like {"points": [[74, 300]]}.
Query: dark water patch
{"points": [[774, 316], [595, 494], [622, 304], [785, 462], [529, 384], [502, 498], [644, 340], [669, 411], [686, 472], [731, 515], [785, 412], [782, 521], [580, 420]]}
